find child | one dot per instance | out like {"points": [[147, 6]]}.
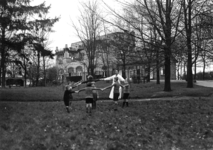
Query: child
{"points": [[95, 95], [89, 96], [68, 94], [126, 92], [116, 86]]}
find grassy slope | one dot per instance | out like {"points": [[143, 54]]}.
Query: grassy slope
{"points": [[153, 125], [139, 91]]}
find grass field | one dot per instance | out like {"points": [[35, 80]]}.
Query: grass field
{"points": [[35, 118], [138, 91], [153, 125]]}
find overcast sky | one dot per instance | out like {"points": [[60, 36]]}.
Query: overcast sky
{"points": [[66, 10]]}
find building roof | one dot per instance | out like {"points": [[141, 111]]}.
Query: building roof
{"points": [[70, 50]]}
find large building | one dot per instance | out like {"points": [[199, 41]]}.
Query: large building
{"points": [[72, 62]]}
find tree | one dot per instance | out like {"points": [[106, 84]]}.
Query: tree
{"points": [[52, 74], [123, 46], [88, 30], [41, 28], [46, 53], [15, 23], [192, 10], [187, 9], [165, 19]]}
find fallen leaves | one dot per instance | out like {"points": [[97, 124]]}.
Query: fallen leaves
{"points": [[145, 125]]}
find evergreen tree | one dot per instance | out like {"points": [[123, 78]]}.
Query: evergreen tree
{"points": [[15, 23]]}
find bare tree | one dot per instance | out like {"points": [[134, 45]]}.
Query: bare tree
{"points": [[164, 18], [88, 30], [192, 9]]}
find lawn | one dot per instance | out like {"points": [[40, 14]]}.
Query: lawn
{"points": [[147, 125], [146, 90]]}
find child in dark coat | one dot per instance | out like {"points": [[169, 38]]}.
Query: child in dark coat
{"points": [[68, 94]]}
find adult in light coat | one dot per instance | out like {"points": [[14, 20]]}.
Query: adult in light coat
{"points": [[120, 78]]}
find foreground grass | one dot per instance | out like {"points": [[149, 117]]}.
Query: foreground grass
{"points": [[138, 91], [152, 125]]}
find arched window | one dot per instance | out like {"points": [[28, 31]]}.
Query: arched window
{"points": [[79, 70], [71, 71]]}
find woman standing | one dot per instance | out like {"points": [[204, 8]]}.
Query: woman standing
{"points": [[120, 78]]}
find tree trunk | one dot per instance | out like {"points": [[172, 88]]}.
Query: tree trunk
{"points": [[0, 74], [188, 28], [25, 73], [148, 74], [3, 66], [44, 71], [178, 71], [124, 71], [184, 68], [204, 68], [195, 70], [167, 85], [167, 49], [124, 68], [158, 75], [189, 73], [157, 68], [38, 69]]}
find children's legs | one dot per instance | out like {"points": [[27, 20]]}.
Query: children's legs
{"points": [[90, 108], [94, 104], [66, 102], [127, 103], [89, 105], [124, 97], [116, 105], [127, 97], [67, 108], [124, 102], [70, 104], [116, 95], [94, 101]]}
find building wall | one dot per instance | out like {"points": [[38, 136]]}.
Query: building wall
{"points": [[70, 67], [69, 64]]}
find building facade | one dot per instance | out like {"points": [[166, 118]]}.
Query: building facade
{"points": [[72, 62]]}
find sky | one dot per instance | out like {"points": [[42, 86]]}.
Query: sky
{"points": [[68, 11]]}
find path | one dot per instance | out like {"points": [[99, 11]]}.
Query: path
{"points": [[206, 83]]}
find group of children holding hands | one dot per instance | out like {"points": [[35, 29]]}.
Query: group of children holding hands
{"points": [[91, 92]]}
